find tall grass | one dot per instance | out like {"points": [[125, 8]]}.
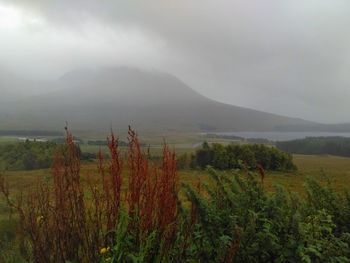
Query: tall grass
{"points": [[71, 220]]}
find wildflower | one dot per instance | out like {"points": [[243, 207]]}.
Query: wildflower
{"points": [[108, 259], [309, 217], [105, 250], [39, 218]]}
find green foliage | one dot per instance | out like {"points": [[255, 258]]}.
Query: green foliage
{"points": [[317, 145], [238, 138], [105, 143], [129, 245], [233, 156], [230, 219], [233, 219], [267, 228], [8, 242], [27, 155], [31, 155], [184, 161]]}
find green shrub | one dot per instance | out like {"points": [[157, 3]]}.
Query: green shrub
{"points": [[233, 156], [27, 155], [267, 227]]}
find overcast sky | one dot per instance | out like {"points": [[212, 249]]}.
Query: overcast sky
{"points": [[290, 57]]}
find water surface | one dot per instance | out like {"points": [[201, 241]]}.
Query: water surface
{"points": [[283, 136]]}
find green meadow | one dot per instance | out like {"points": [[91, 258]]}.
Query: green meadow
{"points": [[326, 170]]}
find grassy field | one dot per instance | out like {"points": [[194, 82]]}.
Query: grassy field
{"points": [[8, 139], [322, 168]]}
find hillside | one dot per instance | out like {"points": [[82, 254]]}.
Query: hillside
{"points": [[14, 87], [97, 99]]}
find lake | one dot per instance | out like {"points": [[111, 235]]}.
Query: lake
{"points": [[283, 136]]}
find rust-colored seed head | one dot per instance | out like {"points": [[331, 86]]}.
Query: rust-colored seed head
{"points": [[261, 172]]}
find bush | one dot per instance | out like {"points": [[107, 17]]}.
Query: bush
{"points": [[237, 220], [235, 156], [27, 155]]}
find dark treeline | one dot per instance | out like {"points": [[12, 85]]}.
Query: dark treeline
{"points": [[29, 133], [61, 140], [98, 142], [317, 145], [238, 138], [237, 156], [259, 141], [105, 143]]}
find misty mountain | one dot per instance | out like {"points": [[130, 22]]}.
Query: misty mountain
{"points": [[14, 87], [148, 100]]}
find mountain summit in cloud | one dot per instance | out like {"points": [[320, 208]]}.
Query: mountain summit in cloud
{"points": [[149, 100]]}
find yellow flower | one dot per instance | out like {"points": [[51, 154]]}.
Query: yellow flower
{"points": [[39, 218], [104, 250], [308, 223], [309, 217], [108, 259]]}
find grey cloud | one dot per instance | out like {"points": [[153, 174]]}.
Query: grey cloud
{"points": [[287, 57]]}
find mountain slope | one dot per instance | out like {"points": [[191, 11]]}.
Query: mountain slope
{"points": [[97, 99], [13, 87]]}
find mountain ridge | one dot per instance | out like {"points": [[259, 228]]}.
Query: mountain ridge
{"points": [[149, 100]]}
